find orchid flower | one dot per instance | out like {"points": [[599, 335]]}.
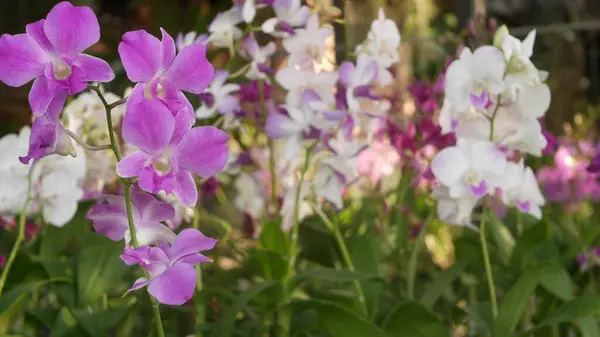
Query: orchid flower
{"points": [[454, 211], [169, 151], [521, 189], [47, 137], [249, 198], [292, 124], [13, 175], [382, 43], [109, 218], [218, 97], [474, 77], [223, 29], [472, 167], [357, 80], [259, 56], [172, 277], [59, 195], [307, 44], [51, 54], [296, 81], [289, 14], [161, 72]]}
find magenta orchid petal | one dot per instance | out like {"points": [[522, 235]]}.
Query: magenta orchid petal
{"points": [[36, 31], [21, 59], [185, 189], [47, 137], [203, 151], [131, 165], [183, 124], [168, 49], [175, 286], [95, 69], [139, 283], [71, 29], [148, 124], [140, 55], [151, 181], [175, 100], [194, 259], [109, 218], [346, 71], [190, 241], [41, 95], [191, 71], [153, 259], [151, 209]]}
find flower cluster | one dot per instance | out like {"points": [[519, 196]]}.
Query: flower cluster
{"points": [[494, 98]]}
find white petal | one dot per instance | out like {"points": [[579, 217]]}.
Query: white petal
{"points": [[449, 165]]}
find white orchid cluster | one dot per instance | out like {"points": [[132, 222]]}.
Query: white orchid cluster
{"points": [[329, 114], [52, 186], [494, 98]]}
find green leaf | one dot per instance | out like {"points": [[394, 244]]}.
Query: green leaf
{"points": [[98, 268], [272, 237], [54, 239], [514, 303], [505, 242], [577, 309], [435, 288], [226, 323], [366, 258], [339, 321], [412, 319], [527, 242], [98, 324], [334, 275], [65, 325], [589, 327], [18, 293], [556, 280]]}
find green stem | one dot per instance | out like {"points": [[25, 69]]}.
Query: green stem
{"points": [[272, 171], [412, 264], [488, 267], [519, 223], [20, 236], [108, 109], [339, 238]]}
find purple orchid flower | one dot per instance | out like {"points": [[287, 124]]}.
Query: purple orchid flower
{"points": [[172, 277], [50, 54], [288, 14], [169, 150], [164, 74], [47, 137], [109, 218]]}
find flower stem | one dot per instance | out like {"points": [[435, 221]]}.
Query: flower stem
{"points": [[108, 108], [488, 268], [20, 237], [273, 173], [412, 264], [87, 146], [335, 229]]}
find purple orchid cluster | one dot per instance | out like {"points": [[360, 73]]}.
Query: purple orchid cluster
{"points": [[163, 149]]}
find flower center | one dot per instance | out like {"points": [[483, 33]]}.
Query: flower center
{"points": [[472, 178], [61, 70], [162, 164]]}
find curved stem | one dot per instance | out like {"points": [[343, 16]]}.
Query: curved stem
{"points": [[19, 240], [339, 238], [412, 264], [108, 108], [273, 173], [87, 146], [488, 267]]}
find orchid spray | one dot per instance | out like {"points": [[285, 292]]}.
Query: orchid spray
{"points": [[164, 150]]}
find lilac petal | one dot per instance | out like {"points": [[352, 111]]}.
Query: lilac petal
{"points": [[139, 283], [71, 29], [131, 165], [185, 189], [109, 218], [95, 69], [41, 95], [479, 190], [251, 45], [175, 286], [346, 71], [191, 71], [228, 104], [203, 151], [285, 27], [524, 206], [36, 31], [151, 209], [220, 77], [183, 124], [207, 99], [140, 55], [190, 241], [479, 101], [168, 49], [155, 232], [42, 139], [21, 59], [147, 124], [153, 259], [194, 259]]}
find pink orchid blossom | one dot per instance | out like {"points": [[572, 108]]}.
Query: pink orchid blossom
{"points": [[109, 218], [47, 137], [50, 54], [169, 150], [172, 277], [154, 63]]}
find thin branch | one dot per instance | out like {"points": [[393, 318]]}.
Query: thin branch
{"points": [[87, 146]]}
